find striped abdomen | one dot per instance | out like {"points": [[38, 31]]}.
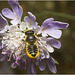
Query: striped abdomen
{"points": [[32, 50]]}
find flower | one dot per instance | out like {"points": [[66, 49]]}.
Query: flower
{"points": [[16, 14], [51, 27], [13, 44]]}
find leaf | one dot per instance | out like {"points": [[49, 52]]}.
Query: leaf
{"points": [[56, 61]]}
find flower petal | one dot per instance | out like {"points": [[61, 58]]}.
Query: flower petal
{"points": [[46, 46], [36, 61], [42, 55], [26, 19], [15, 21], [34, 25], [0, 44], [50, 27], [13, 65], [47, 21], [51, 65], [31, 68], [3, 22], [42, 65], [58, 25], [13, 2], [14, 5], [8, 13], [4, 29], [53, 42], [20, 11], [16, 8], [22, 26], [47, 55], [32, 17], [31, 22], [3, 57], [44, 33], [37, 30], [13, 28], [54, 33], [50, 23], [49, 48], [22, 64]]}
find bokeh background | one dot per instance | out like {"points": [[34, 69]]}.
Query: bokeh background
{"points": [[61, 11]]}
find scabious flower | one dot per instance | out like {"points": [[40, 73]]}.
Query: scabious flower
{"points": [[12, 41]]}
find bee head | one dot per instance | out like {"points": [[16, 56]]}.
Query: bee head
{"points": [[29, 32]]}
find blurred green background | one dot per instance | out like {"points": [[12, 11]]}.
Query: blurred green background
{"points": [[63, 11]]}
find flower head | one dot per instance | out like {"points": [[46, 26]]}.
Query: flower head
{"points": [[20, 48]]}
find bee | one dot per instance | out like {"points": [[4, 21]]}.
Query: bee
{"points": [[31, 44]]}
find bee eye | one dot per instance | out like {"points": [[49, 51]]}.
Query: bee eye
{"points": [[29, 32], [25, 33]]}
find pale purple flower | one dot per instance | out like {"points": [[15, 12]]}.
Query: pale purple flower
{"points": [[12, 43], [30, 22], [16, 14], [51, 27]]}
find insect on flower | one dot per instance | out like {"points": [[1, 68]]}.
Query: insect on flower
{"points": [[31, 44], [21, 43]]}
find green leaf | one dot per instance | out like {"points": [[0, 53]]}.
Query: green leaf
{"points": [[56, 61], [56, 14]]}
